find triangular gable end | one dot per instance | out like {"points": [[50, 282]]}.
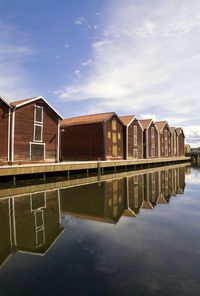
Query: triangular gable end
{"points": [[5, 101], [36, 99]]}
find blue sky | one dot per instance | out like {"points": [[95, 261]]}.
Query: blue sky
{"points": [[137, 57]]}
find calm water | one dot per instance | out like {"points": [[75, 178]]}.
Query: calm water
{"points": [[132, 235]]}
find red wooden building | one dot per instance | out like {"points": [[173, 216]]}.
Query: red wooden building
{"points": [[92, 137], [5, 110], [181, 141], [35, 132], [165, 139], [174, 140], [150, 139], [133, 133]]}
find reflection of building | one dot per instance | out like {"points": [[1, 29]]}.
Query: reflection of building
{"points": [[151, 190], [103, 203], [135, 193], [30, 223]]}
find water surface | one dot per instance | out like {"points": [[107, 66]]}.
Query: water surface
{"points": [[134, 234]]}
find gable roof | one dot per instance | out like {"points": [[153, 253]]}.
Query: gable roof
{"points": [[5, 101], [127, 119], [145, 123], [179, 130], [21, 103], [160, 124], [87, 119]]}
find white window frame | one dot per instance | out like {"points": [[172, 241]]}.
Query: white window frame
{"points": [[37, 124], [135, 153], [153, 150], [35, 108], [31, 202], [135, 179], [136, 196], [38, 143], [135, 135]]}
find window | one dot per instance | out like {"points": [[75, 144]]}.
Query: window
{"points": [[109, 135], [38, 132], [135, 153], [38, 114], [153, 150], [38, 123], [114, 150], [135, 178], [114, 138], [114, 125], [135, 135], [152, 135], [136, 196], [119, 136]]}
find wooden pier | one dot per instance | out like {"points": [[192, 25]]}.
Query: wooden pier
{"points": [[61, 184], [86, 166]]}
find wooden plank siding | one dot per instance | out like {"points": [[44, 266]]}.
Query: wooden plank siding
{"points": [[116, 139], [4, 133], [130, 123], [148, 141], [82, 142], [23, 132], [181, 142], [165, 139], [85, 138]]}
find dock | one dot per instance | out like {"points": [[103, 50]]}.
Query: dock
{"points": [[86, 166]]}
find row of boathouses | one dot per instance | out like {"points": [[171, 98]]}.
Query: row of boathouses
{"points": [[33, 131]]}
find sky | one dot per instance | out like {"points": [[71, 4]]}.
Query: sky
{"points": [[132, 57]]}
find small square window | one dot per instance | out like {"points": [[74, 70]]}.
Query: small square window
{"points": [[119, 136]]}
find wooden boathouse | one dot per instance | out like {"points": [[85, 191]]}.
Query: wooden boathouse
{"points": [[181, 141], [35, 132], [5, 110], [92, 137], [165, 138], [150, 139], [133, 134]]}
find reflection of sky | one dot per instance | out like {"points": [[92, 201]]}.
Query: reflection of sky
{"points": [[157, 253]]}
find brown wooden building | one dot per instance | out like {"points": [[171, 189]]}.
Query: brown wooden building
{"points": [[5, 110], [133, 133], [35, 132], [165, 138], [181, 141], [174, 141], [92, 137], [150, 139]]}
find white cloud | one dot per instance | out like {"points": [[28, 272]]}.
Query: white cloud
{"points": [[67, 45], [86, 63], [14, 79], [80, 20], [146, 61]]}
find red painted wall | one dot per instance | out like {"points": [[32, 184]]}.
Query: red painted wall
{"points": [[24, 129], [4, 111], [82, 142], [131, 145]]}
